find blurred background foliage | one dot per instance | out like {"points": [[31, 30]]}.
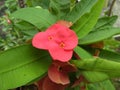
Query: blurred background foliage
{"points": [[14, 33]]}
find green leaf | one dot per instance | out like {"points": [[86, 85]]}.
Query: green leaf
{"points": [[109, 55], [84, 6], [60, 7], [105, 22], [30, 33], [72, 4], [82, 53], [86, 23], [105, 85], [21, 65], [111, 68], [99, 35], [22, 25], [39, 17], [45, 3], [90, 75], [26, 28], [33, 3], [42, 3]]}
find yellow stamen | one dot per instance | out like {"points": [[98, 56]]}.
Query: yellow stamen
{"points": [[62, 45]]}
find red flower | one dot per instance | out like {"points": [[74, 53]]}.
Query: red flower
{"points": [[47, 84], [57, 78], [59, 40], [58, 72]]}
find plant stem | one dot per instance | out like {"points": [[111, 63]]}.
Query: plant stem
{"points": [[111, 7]]}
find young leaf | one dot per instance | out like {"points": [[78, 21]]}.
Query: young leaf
{"points": [[39, 17], [105, 22], [60, 7], [84, 6], [85, 24], [21, 65], [99, 35]]}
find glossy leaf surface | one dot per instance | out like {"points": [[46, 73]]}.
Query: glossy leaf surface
{"points": [[22, 65], [39, 17]]}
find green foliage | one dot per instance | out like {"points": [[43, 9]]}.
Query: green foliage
{"points": [[84, 6], [82, 53], [100, 30], [35, 3], [90, 75], [85, 24], [99, 65], [99, 35], [110, 55], [95, 76], [39, 17], [22, 65], [60, 7], [105, 22], [112, 44], [105, 85]]}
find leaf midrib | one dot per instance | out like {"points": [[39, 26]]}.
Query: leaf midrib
{"points": [[21, 65]]}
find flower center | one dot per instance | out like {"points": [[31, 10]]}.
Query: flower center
{"points": [[62, 44], [50, 37]]}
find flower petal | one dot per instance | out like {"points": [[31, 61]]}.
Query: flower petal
{"points": [[60, 54], [49, 85], [57, 75], [69, 68], [53, 29], [41, 41], [58, 29], [62, 33], [71, 41]]}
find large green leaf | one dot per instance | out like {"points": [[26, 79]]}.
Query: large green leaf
{"points": [[86, 23], [91, 76], [111, 68], [105, 22], [99, 35], [60, 7], [39, 17], [21, 65], [84, 6]]}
